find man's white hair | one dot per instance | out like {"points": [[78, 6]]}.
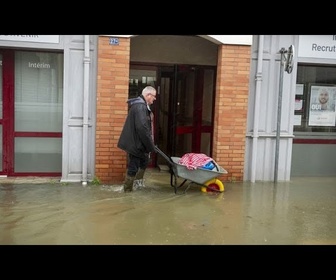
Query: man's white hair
{"points": [[148, 89]]}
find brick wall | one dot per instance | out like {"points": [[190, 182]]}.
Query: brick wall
{"points": [[232, 88], [112, 93]]}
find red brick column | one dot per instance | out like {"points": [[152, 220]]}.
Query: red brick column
{"points": [[112, 93], [232, 88]]}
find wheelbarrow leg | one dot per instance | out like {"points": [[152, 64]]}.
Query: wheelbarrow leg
{"points": [[173, 180]]}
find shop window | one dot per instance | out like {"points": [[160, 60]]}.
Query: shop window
{"points": [[315, 99]]}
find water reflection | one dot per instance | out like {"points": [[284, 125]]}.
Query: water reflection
{"points": [[8, 199]]}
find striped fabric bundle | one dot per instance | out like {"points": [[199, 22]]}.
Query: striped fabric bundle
{"points": [[194, 160]]}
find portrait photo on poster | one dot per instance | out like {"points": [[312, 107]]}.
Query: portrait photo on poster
{"points": [[322, 105]]}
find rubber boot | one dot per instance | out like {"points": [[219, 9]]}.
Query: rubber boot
{"points": [[139, 181], [128, 185]]}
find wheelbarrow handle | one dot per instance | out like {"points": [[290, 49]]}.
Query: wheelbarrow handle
{"points": [[171, 162]]}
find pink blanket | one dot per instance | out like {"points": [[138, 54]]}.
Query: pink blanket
{"points": [[194, 160]]}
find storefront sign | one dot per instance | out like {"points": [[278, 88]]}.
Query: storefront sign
{"points": [[53, 39], [317, 46]]}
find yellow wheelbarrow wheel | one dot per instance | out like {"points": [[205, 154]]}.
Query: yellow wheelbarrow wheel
{"points": [[214, 185]]}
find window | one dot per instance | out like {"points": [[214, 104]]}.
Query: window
{"points": [[315, 99], [38, 111]]}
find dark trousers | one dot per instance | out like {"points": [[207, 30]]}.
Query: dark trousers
{"points": [[136, 163]]}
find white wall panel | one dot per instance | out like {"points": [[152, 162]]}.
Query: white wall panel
{"points": [[73, 108], [76, 87], [268, 114], [75, 147]]}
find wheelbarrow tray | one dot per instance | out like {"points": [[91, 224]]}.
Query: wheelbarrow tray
{"points": [[198, 175]]}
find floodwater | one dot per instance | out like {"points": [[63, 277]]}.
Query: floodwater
{"points": [[299, 212]]}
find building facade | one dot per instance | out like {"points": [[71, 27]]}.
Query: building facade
{"points": [[64, 103], [305, 133], [48, 113]]}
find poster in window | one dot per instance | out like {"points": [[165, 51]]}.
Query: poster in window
{"points": [[297, 119], [299, 89], [322, 105], [298, 104]]}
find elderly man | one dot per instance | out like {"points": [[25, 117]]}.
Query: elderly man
{"points": [[137, 136]]}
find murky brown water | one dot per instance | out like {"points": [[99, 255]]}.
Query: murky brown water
{"points": [[300, 212]]}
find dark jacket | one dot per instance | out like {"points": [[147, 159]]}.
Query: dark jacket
{"points": [[136, 135]]}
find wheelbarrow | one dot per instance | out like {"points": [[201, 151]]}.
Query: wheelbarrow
{"points": [[205, 178]]}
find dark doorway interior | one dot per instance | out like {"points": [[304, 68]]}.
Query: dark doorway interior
{"points": [[184, 107]]}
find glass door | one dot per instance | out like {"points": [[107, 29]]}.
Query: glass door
{"points": [[193, 107], [31, 113], [183, 110]]}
